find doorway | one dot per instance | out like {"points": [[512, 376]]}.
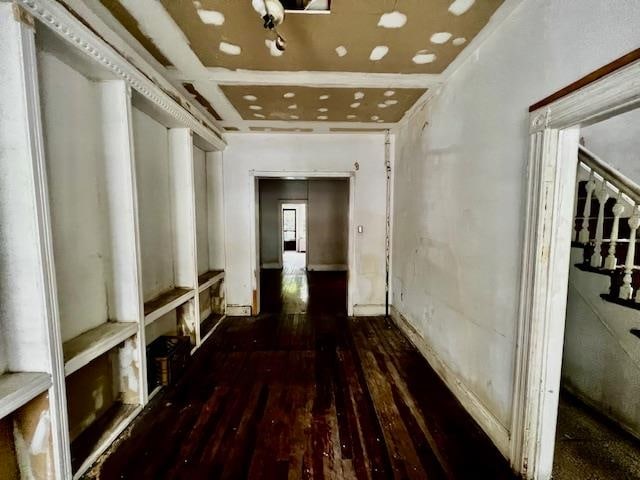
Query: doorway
{"points": [[555, 127], [303, 244], [293, 235]]}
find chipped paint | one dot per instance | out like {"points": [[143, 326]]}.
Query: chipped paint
{"points": [[230, 48], [423, 56], [341, 50], [440, 38]]}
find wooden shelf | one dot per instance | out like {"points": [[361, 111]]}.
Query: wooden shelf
{"points": [[17, 389], [92, 443], [165, 302], [84, 348], [209, 278]]}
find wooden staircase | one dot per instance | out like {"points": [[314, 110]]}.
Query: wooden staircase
{"points": [[607, 214]]}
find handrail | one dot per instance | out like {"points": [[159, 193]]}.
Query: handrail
{"points": [[619, 180]]}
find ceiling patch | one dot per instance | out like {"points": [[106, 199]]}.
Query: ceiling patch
{"points": [[392, 20], [323, 110], [378, 53], [440, 37], [273, 48], [255, 107], [391, 102], [324, 97], [322, 117], [250, 98], [460, 7], [358, 95], [341, 51], [230, 48], [211, 17], [375, 118], [289, 95], [294, 117], [389, 93], [352, 117], [292, 107], [355, 105], [382, 105], [423, 56], [459, 41], [258, 115]]}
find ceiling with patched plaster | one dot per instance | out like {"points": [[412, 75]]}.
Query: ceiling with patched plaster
{"points": [[321, 104], [382, 37]]}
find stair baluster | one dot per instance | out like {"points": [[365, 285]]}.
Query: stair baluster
{"points": [[602, 194], [611, 262], [626, 291], [584, 232]]}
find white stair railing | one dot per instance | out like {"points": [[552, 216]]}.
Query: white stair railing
{"points": [[604, 182]]}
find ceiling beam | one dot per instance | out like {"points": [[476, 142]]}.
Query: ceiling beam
{"points": [[158, 25], [224, 76]]}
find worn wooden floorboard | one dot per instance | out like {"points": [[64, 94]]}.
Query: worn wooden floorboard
{"points": [[313, 395]]}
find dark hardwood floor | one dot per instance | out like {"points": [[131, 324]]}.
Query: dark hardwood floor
{"points": [[305, 395]]}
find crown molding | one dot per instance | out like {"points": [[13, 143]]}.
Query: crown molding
{"points": [[65, 24]]}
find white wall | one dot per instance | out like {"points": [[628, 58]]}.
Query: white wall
{"points": [[601, 359], [306, 153], [202, 209], [75, 169], [617, 142], [215, 210], [152, 176], [459, 186]]}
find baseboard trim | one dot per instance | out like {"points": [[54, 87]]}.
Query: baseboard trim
{"points": [[238, 311], [497, 432], [272, 266], [368, 310], [327, 267]]}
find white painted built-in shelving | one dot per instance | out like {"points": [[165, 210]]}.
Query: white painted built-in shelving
{"points": [[86, 347], [110, 238], [17, 389]]}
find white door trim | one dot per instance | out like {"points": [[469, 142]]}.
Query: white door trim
{"points": [[255, 175], [551, 176]]}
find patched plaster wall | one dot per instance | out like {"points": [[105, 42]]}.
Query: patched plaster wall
{"points": [[460, 185]]}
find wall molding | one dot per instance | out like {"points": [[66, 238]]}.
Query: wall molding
{"points": [[62, 22], [489, 423]]}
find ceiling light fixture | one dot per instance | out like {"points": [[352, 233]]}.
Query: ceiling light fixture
{"points": [[272, 13]]}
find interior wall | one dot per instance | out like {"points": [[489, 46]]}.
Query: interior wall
{"points": [[215, 210], [460, 188], [617, 142], [328, 224], [202, 209], [152, 177], [306, 153], [601, 359], [75, 170]]}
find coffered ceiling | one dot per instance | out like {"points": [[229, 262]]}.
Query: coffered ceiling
{"points": [[219, 47]]}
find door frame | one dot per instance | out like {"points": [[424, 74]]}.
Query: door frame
{"points": [[254, 177], [281, 204], [554, 128]]}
